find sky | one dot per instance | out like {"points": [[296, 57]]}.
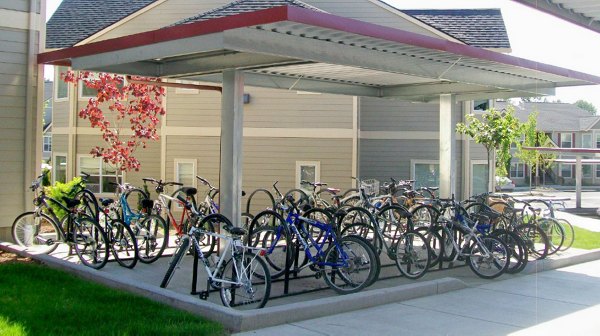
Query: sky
{"points": [[533, 35]]}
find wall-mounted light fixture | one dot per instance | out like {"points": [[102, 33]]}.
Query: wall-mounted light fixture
{"points": [[246, 98]]}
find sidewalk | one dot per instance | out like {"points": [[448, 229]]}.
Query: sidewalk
{"points": [[565, 301]]}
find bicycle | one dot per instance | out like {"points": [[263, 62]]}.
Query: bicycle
{"points": [[120, 236], [347, 264], [243, 280], [150, 230], [169, 204], [487, 256], [38, 232]]}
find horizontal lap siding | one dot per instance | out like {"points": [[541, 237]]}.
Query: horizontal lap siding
{"points": [[60, 114], [392, 115], [267, 109], [60, 143]]}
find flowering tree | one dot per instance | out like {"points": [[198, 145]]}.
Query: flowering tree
{"points": [[115, 104]]}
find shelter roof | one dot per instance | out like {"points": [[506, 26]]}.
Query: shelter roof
{"points": [[584, 13], [296, 48], [482, 28]]}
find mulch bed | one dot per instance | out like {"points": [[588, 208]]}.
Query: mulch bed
{"points": [[7, 257]]}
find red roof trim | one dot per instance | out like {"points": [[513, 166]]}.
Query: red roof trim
{"points": [[304, 16]]}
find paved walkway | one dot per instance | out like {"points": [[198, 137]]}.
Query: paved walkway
{"points": [[565, 301]]}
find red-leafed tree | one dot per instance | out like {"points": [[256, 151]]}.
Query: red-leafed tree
{"points": [[116, 107]]}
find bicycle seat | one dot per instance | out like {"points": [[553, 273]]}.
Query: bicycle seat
{"points": [[189, 191], [333, 190], [433, 188], [147, 203], [234, 230], [106, 201], [71, 202]]}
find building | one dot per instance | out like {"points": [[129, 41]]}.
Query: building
{"points": [[21, 94]]}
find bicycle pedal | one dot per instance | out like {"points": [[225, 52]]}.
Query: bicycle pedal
{"points": [[203, 295]]}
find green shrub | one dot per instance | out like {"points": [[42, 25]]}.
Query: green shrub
{"points": [[60, 190]]}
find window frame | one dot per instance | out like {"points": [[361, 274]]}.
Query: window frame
{"points": [[58, 82], [54, 165], [101, 176], [517, 170], [49, 144], [571, 142], [176, 176], [570, 170], [300, 164], [583, 136], [415, 162], [472, 184]]}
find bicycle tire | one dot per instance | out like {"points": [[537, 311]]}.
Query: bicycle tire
{"points": [[174, 207], [434, 243], [356, 215], [569, 234], [320, 215], [90, 242], [394, 221], [424, 215], [299, 197], [37, 233], [89, 203], [555, 233], [256, 289], [535, 239], [518, 250], [497, 263], [270, 197], [180, 251], [210, 223], [412, 255], [134, 198], [123, 245], [361, 259], [276, 241], [427, 193], [365, 231], [152, 236]]}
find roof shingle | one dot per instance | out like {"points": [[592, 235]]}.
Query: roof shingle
{"points": [[482, 28], [557, 117], [76, 20]]}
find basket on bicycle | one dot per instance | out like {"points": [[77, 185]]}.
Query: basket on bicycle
{"points": [[371, 186]]}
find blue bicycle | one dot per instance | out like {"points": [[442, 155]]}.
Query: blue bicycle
{"points": [[347, 264]]}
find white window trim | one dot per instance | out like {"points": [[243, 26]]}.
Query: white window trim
{"points": [[57, 80], [562, 142], [44, 143], [316, 164], [476, 162], [194, 162], [561, 170], [597, 140], [597, 170], [522, 170], [417, 161], [54, 155]]}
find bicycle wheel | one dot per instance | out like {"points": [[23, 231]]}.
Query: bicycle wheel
{"points": [[535, 239], [569, 234], [37, 233], [180, 251], [424, 215], [488, 259], [249, 282], [123, 244], [134, 198], [89, 203], [152, 236], [90, 242], [394, 221], [211, 223], [412, 255], [350, 265], [320, 215], [279, 251], [426, 192], [434, 242], [555, 233], [299, 197], [517, 248], [365, 231]]}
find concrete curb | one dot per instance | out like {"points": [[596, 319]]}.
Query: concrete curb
{"points": [[237, 321]]}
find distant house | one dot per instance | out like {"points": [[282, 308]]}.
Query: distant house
{"points": [[47, 127], [568, 126]]}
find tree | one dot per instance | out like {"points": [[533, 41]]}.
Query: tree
{"points": [[584, 105], [116, 104], [495, 131], [535, 160]]}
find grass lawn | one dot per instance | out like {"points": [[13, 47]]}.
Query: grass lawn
{"points": [[37, 300], [585, 239]]}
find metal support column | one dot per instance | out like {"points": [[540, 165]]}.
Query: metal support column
{"points": [[578, 181], [447, 146], [232, 127]]}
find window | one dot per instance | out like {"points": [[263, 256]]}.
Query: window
{"points": [[100, 174], [307, 171], [479, 177], [185, 172], [59, 168], [481, 105], [566, 140], [426, 173], [517, 170], [586, 140], [566, 171], [47, 143], [598, 170], [586, 170], [598, 140], [61, 89]]}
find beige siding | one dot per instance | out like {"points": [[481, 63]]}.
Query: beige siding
{"points": [[267, 108], [60, 114], [377, 114], [60, 143]]}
